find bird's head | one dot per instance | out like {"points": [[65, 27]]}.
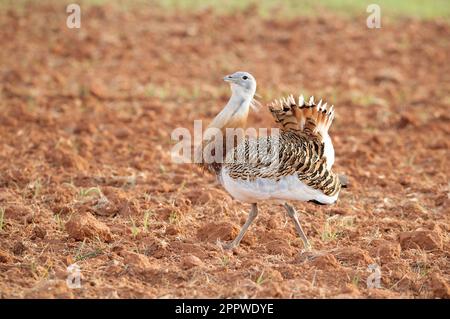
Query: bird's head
{"points": [[235, 112], [242, 83]]}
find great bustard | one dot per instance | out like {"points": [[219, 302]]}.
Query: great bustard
{"points": [[304, 154]]}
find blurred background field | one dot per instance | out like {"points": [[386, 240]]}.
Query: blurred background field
{"points": [[423, 9]]}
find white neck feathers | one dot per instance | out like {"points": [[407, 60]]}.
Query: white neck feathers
{"points": [[235, 112]]}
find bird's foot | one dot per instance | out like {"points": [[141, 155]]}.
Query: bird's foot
{"points": [[311, 254], [307, 247], [229, 245]]}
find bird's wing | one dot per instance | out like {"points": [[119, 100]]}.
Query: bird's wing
{"points": [[303, 117], [288, 154]]}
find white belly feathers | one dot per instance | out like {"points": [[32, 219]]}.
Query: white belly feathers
{"points": [[287, 188]]}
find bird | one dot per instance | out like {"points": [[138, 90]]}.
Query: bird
{"points": [[298, 166]]}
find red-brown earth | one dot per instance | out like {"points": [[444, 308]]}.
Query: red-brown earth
{"points": [[86, 175]]}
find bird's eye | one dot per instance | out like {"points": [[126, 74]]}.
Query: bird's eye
{"points": [[245, 77]]}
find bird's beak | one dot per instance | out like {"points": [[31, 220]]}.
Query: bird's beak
{"points": [[228, 78]]}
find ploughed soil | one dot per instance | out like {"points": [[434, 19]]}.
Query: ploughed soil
{"points": [[86, 174]]}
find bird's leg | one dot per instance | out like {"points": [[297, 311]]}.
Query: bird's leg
{"points": [[293, 214], [251, 217]]}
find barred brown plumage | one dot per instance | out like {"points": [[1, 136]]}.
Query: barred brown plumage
{"points": [[297, 154], [297, 165]]}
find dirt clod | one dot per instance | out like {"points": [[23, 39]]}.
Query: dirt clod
{"points": [[325, 262], [18, 212], [385, 250], [38, 232], [143, 267], [5, 257], [424, 239], [440, 286], [85, 226], [19, 248], [353, 256], [190, 262], [212, 232], [51, 289]]}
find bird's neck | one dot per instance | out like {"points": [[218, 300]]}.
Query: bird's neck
{"points": [[234, 115], [235, 112]]}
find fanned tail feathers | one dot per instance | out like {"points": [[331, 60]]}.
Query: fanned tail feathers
{"points": [[302, 116]]}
